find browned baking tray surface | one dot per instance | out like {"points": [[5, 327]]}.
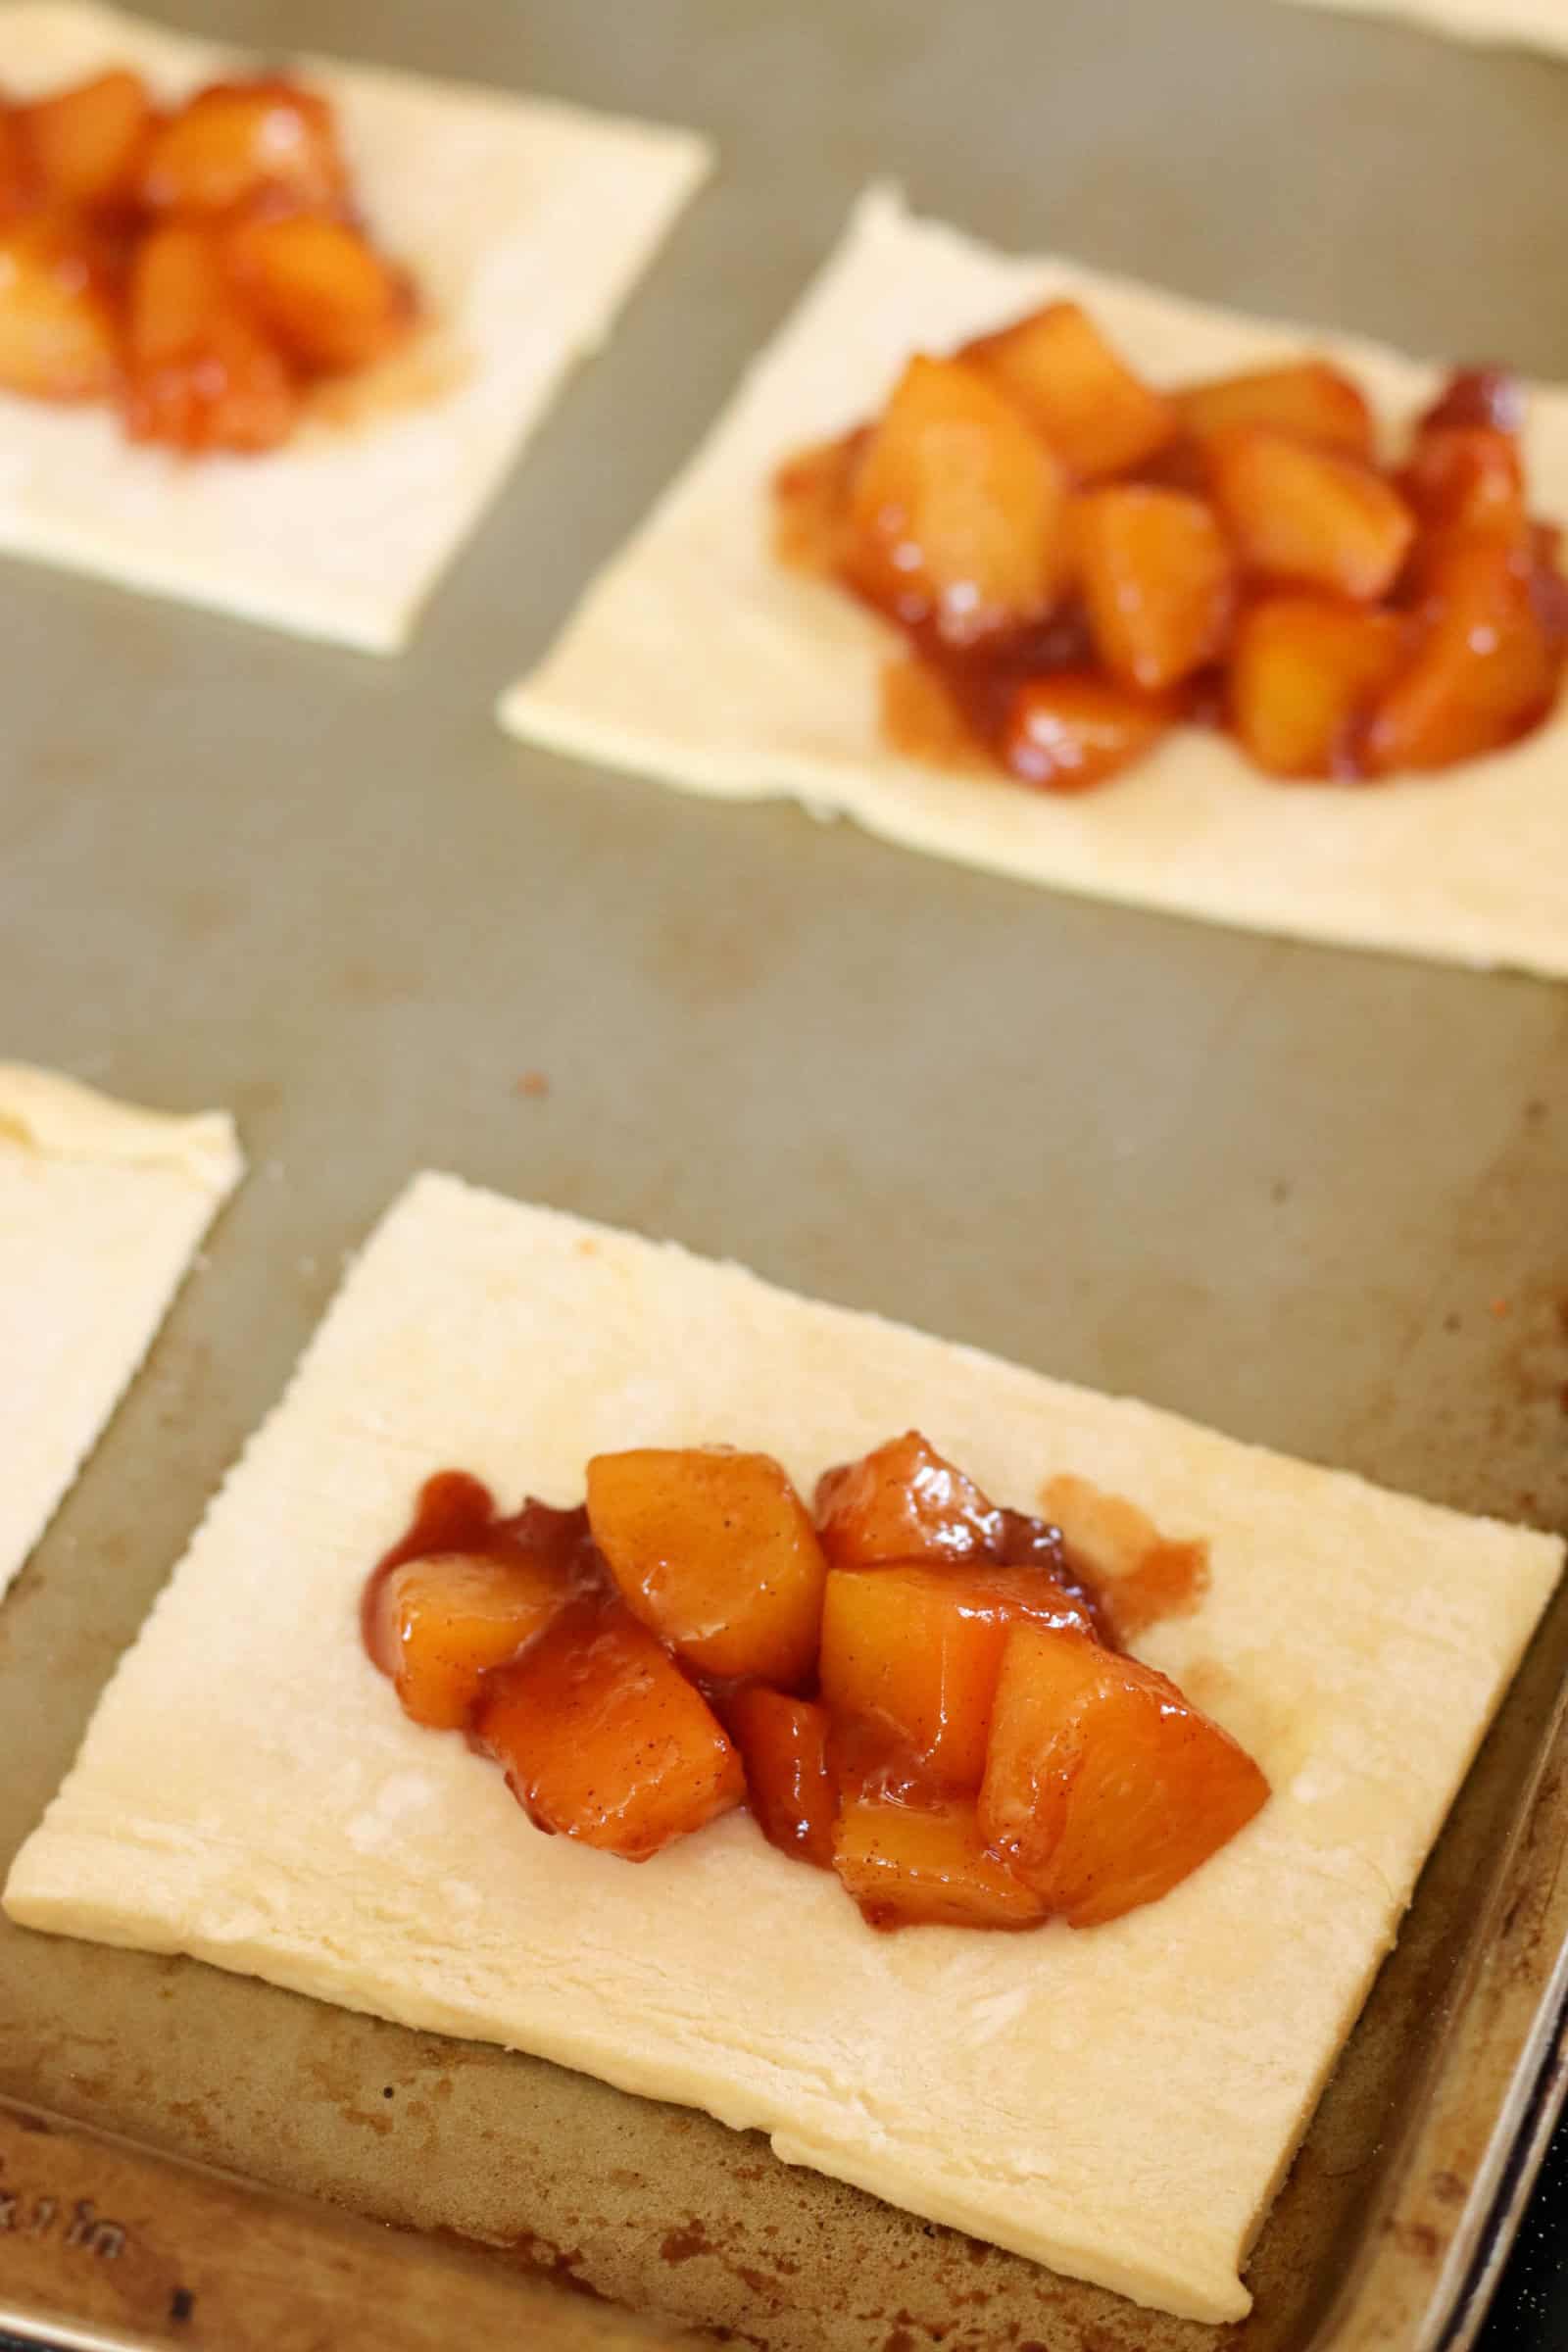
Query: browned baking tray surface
{"points": [[1313, 1198]]}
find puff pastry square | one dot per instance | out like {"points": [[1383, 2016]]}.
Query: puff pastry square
{"points": [[101, 1208], [525, 222], [699, 659], [1490, 23], [1120, 2103]]}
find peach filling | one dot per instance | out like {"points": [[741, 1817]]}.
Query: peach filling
{"points": [[200, 267], [909, 1685], [1082, 563]]}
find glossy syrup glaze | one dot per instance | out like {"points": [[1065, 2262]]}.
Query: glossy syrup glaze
{"points": [[692, 1639]]}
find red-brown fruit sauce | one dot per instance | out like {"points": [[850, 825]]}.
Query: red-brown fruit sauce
{"points": [[907, 1685]]}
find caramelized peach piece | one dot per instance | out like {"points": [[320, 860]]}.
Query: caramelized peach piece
{"points": [[1467, 478], [240, 139], [1068, 732], [444, 1623], [957, 516], [922, 717], [1179, 465], [903, 1501], [1306, 515], [1303, 672], [717, 1552], [783, 1744], [1103, 1787], [602, 1738], [919, 1649], [1483, 669], [202, 376], [1157, 578], [16, 164], [56, 327], [320, 290], [1075, 390], [1306, 398], [927, 1866], [1491, 397], [87, 143]]}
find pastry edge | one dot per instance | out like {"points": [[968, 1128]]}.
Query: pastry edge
{"points": [[1211, 2294], [61, 1118]]}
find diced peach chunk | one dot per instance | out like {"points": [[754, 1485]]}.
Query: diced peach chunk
{"points": [[903, 1501], [602, 1738], [1491, 397], [1309, 515], [1076, 390], [1306, 398], [958, 513], [1068, 731], [1482, 669], [444, 1623], [1157, 577], [202, 376], [16, 164], [1179, 465], [240, 139], [1467, 478], [1304, 673], [923, 718], [56, 327], [919, 1649], [783, 1744], [320, 289], [87, 143], [927, 1866], [1103, 1787], [717, 1552]]}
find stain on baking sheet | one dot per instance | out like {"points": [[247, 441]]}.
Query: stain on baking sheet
{"points": [[1517, 1409], [1472, 1411], [596, 2188], [529, 2251]]}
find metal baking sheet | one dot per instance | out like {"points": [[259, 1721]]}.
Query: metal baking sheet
{"points": [[1312, 1198]]}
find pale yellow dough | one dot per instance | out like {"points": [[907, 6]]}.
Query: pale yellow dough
{"points": [[526, 224], [1491, 23], [1120, 2103], [699, 659], [101, 1208]]}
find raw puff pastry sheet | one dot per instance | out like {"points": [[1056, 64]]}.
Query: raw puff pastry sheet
{"points": [[101, 1209], [1121, 2103], [1490, 24], [699, 659], [526, 223]]}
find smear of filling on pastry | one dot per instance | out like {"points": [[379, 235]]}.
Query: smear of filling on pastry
{"points": [[1081, 562], [909, 1685], [201, 269]]}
